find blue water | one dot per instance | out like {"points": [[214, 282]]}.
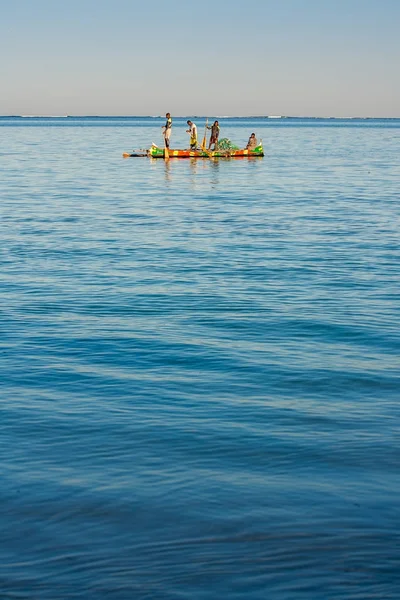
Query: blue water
{"points": [[199, 363]]}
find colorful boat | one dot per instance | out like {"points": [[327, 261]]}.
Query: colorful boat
{"points": [[156, 152]]}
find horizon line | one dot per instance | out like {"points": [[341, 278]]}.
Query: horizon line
{"points": [[103, 116]]}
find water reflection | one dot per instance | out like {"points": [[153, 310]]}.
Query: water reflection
{"points": [[167, 167], [215, 171], [195, 170]]}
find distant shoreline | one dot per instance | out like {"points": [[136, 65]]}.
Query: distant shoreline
{"points": [[264, 117]]}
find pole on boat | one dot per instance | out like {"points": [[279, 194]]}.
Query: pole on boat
{"points": [[204, 144], [166, 153]]}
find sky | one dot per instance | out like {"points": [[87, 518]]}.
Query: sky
{"points": [[136, 57]]}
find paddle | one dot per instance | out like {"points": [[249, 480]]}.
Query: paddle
{"points": [[204, 143]]}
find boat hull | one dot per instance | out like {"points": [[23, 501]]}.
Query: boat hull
{"points": [[156, 152]]}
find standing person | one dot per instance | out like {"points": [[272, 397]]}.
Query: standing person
{"points": [[214, 135], [193, 135], [252, 143], [167, 128]]}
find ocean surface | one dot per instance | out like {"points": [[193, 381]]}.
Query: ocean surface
{"points": [[200, 373]]}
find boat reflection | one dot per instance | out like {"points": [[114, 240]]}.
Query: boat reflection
{"points": [[195, 170]]}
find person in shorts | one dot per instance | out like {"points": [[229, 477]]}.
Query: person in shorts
{"points": [[193, 135], [167, 128], [214, 135]]}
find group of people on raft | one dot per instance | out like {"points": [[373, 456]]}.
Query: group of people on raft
{"points": [[167, 128]]}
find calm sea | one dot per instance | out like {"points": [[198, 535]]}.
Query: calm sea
{"points": [[200, 371]]}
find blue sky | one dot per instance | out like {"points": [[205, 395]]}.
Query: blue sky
{"points": [[132, 57]]}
